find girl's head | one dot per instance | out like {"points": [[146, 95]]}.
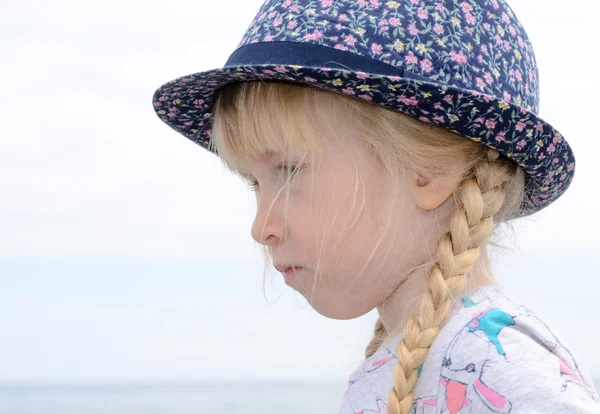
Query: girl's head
{"points": [[367, 201]]}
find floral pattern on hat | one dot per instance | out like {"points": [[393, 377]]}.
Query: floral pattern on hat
{"points": [[479, 71]]}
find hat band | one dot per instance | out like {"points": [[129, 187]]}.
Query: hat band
{"points": [[312, 55]]}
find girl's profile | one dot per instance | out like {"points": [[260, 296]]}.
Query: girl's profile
{"points": [[387, 143]]}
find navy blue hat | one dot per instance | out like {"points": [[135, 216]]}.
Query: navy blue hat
{"points": [[465, 65]]}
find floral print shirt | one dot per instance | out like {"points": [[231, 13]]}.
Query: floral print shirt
{"points": [[494, 355]]}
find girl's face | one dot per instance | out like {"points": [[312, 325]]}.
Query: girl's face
{"points": [[323, 228]]}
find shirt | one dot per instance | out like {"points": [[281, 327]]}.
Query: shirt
{"points": [[493, 355]]}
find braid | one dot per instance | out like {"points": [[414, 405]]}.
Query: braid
{"points": [[379, 335], [478, 198]]}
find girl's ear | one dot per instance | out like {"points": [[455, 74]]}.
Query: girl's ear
{"points": [[432, 193]]}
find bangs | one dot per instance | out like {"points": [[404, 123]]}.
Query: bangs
{"points": [[253, 120]]}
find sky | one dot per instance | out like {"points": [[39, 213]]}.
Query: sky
{"points": [[125, 249]]}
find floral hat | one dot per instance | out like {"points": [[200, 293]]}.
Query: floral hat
{"points": [[465, 65]]}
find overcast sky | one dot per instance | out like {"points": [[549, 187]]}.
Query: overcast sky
{"points": [[126, 249]]}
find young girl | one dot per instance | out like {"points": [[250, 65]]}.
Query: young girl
{"points": [[386, 141]]}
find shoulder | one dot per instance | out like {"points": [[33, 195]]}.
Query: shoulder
{"points": [[497, 355]]}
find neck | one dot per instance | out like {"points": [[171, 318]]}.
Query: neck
{"points": [[404, 301]]}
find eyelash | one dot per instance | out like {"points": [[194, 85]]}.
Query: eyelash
{"points": [[295, 167]]}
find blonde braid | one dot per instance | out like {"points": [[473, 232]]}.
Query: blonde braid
{"points": [[379, 336], [478, 199]]}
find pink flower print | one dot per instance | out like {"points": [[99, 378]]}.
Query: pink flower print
{"points": [[375, 3], [362, 3], [272, 14], [466, 7], [340, 46], [470, 18], [480, 83], [507, 96], [541, 157], [521, 144], [366, 97], [438, 118], [554, 160], [539, 127], [520, 126], [412, 101], [518, 75], [326, 3], [498, 39], [295, 8], [362, 75], [501, 136], [411, 59], [437, 105], [426, 65], [394, 21], [440, 7], [520, 40], [490, 124], [349, 91], [343, 17], [172, 112], [488, 78], [448, 98], [422, 13], [486, 26], [557, 138], [395, 78], [412, 29], [262, 16], [506, 46], [350, 40], [188, 123], [505, 18], [316, 35], [512, 31], [198, 102], [268, 38], [287, 3], [309, 79], [415, 1], [376, 48], [551, 148], [292, 24], [281, 69], [438, 28], [269, 72], [495, 4], [571, 167], [460, 57]]}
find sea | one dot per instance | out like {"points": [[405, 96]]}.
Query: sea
{"points": [[231, 398]]}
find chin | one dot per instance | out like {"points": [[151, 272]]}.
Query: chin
{"points": [[340, 311]]}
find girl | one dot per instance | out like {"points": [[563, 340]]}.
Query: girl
{"points": [[386, 141]]}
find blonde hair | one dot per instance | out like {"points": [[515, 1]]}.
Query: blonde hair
{"points": [[491, 190]]}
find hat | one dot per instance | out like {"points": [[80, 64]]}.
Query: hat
{"points": [[465, 65]]}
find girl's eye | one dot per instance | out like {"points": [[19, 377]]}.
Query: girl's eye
{"points": [[291, 170], [253, 185]]}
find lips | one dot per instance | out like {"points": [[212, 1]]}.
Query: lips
{"points": [[286, 268]]}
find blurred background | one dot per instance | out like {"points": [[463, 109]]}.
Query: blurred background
{"points": [[129, 282]]}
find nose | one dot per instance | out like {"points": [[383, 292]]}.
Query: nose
{"points": [[268, 228]]}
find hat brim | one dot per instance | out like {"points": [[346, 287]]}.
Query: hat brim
{"points": [[186, 105]]}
